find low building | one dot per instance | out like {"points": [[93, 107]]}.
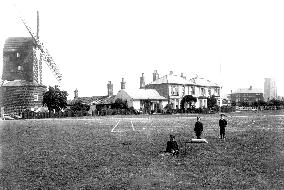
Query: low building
{"points": [[246, 96], [145, 100]]}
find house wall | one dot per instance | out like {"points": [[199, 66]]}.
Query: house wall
{"points": [[136, 104], [246, 97], [175, 93]]}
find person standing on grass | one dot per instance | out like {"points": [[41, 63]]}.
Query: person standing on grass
{"points": [[172, 146], [198, 128], [222, 125]]}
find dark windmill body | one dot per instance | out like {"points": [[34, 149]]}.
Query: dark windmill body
{"points": [[22, 87]]}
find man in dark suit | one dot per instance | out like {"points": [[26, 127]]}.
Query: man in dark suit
{"points": [[198, 128]]}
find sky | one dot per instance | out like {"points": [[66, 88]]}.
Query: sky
{"points": [[234, 43]]}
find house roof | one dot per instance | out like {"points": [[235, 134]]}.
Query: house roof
{"points": [[85, 100], [144, 94], [176, 79], [248, 90], [105, 100], [171, 79], [203, 82]]}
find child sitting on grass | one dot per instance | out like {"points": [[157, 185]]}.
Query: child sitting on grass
{"points": [[172, 146]]}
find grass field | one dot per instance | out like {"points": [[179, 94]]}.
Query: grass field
{"points": [[123, 152]]}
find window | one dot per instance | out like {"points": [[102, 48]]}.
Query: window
{"points": [[174, 90], [17, 54], [35, 97], [192, 90], [20, 68], [209, 92], [202, 91]]}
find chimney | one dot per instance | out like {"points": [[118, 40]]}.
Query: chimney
{"points": [[155, 75], [76, 94], [122, 84], [250, 88], [142, 81], [109, 89], [171, 72]]}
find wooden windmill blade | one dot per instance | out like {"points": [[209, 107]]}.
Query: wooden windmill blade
{"points": [[45, 54]]}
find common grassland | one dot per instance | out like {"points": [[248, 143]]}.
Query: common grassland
{"points": [[124, 152]]}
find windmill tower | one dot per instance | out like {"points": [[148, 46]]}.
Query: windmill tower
{"points": [[22, 72]]}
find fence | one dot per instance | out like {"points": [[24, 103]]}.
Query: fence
{"points": [[42, 115]]}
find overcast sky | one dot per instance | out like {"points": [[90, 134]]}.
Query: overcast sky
{"points": [[94, 42]]}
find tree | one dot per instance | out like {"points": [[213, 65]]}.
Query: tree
{"points": [[78, 105], [211, 102], [233, 103], [55, 99], [187, 99], [120, 104]]}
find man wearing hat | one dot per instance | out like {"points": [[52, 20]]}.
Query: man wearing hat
{"points": [[222, 125]]}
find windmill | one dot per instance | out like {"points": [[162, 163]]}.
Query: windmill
{"points": [[22, 71], [44, 54]]}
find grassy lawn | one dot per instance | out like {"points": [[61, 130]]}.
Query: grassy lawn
{"points": [[123, 152]]}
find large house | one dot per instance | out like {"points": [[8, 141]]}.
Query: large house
{"points": [[246, 95], [175, 87]]}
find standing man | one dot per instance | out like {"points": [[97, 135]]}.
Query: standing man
{"points": [[222, 125], [198, 128]]}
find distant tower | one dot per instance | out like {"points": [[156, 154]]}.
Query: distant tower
{"points": [[270, 89], [155, 75], [122, 84], [109, 89], [142, 81], [76, 94]]}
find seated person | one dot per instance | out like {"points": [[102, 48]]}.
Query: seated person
{"points": [[172, 146]]}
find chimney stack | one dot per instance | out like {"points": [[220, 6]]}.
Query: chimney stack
{"points": [[122, 84], [155, 75], [171, 72], [76, 94], [109, 89], [142, 81], [250, 88]]}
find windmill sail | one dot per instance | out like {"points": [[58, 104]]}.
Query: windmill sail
{"points": [[45, 54]]}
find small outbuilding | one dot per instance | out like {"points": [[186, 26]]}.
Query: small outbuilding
{"points": [[143, 100]]}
